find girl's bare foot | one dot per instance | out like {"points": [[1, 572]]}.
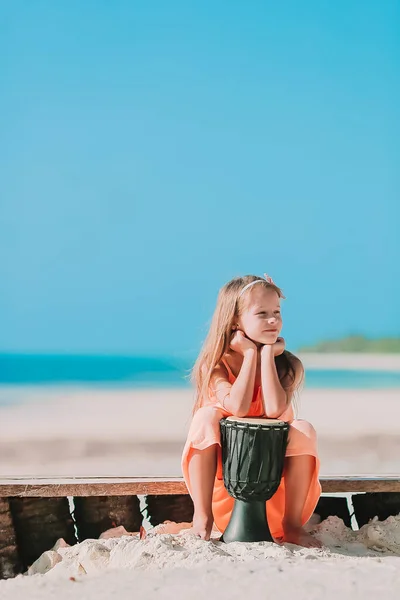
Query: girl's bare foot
{"points": [[297, 535], [202, 526]]}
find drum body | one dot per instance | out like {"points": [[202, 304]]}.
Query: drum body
{"points": [[253, 454]]}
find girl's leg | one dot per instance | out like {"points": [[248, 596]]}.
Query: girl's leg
{"points": [[202, 468], [298, 474]]}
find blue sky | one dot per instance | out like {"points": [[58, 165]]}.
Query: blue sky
{"points": [[151, 151]]}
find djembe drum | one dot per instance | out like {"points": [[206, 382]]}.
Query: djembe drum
{"points": [[253, 453]]}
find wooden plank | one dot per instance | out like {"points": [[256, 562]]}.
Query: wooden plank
{"points": [[38, 524], [120, 486], [92, 486], [10, 563], [96, 514], [365, 483]]}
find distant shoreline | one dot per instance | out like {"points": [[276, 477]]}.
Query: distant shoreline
{"points": [[350, 361], [324, 370]]}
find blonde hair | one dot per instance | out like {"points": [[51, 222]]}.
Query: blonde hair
{"points": [[229, 307]]}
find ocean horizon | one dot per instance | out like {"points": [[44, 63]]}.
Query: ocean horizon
{"points": [[144, 371]]}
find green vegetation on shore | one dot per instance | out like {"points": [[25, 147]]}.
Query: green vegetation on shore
{"points": [[356, 343]]}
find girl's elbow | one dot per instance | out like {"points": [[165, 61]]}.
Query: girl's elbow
{"points": [[273, 415], [240, 414]]}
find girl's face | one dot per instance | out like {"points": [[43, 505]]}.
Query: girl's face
{"points": [[261, 320]]}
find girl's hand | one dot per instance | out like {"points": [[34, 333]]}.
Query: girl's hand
{"points": [[277, 348], [240, 343]]}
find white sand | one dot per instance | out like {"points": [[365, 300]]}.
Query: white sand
{"points": [[164, 414], [354, 564], [141, 432], [73, 431]]}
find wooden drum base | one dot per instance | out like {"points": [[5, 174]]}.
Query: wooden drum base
{"points": [[248, 523]]}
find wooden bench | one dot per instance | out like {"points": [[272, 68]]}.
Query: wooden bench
{"points": [[45, 487], [34, 513]]}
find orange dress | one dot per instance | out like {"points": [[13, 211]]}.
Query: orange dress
{"points": [[204, 431]]}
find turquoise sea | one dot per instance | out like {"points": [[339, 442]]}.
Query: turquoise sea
{"points": [[142, 371]]}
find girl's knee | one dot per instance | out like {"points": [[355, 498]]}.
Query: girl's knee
{"points": [[310, 429], [208, 414], [304, 427]]}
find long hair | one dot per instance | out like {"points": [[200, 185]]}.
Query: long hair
{"points": [[229, 307]]}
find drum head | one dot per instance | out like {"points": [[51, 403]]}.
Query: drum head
{"points": [[255, 421]]}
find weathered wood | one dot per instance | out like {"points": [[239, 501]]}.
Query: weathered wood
{"points": [[335, 506], [88, 486], [175, 507], [131, 486], [97, 514], [10, 564], [382, 505], [39, 523], [365, 483]]}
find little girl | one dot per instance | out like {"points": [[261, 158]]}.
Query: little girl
{"points": [[243, 369]]}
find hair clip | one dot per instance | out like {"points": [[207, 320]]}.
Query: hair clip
{"points": [[269, 279]]}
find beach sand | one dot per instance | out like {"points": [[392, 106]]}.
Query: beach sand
{"points": [[75, 431], [363, 564], [139, 432]]}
